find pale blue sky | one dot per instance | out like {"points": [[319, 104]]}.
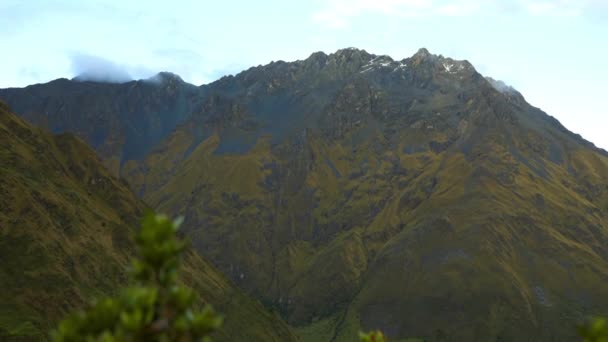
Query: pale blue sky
{"points": [[554, 51]]}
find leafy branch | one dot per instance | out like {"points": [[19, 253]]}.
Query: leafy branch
{"points": [[156, 307]]}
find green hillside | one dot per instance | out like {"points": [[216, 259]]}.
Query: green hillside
{"points": [[351, 191], [65, 238], [428, 207]]}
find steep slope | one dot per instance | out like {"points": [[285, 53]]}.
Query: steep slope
{"points": [[120, 121], [354, 191], [65, 237], [411, 196]]}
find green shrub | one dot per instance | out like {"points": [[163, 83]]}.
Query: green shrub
{"points": [[373, 336], [595, 330], [155, 307]]}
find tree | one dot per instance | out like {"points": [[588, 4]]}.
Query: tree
{"points": [[373, 336], [156, 307], [595, 330]]}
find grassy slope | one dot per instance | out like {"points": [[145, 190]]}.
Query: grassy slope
{"points": [[65, 237], [416, 200], [480, 241]]}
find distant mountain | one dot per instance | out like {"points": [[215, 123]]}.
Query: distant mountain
{"points": [[120, 121], [353, 191], [65, 238]]}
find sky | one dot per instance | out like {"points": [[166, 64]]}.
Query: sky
{"points": [[555, 52]]}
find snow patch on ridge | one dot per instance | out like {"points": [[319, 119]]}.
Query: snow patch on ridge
{"points": [[452, 67], [400, 66], [448, 67], [383, 62]]}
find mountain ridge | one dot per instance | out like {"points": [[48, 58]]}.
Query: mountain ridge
{"points": [[351, 191], [317, 57], [420, 55]]}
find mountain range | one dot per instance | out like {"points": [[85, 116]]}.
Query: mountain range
{"points": [[352, 191]]}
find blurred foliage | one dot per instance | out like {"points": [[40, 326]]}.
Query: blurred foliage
{"points": [[155, 307], [594, 330], [373, 336]]}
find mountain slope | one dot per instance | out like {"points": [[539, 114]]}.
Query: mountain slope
{"points": [[120, 121], [413, 197], [354, 191], [65, 238]]}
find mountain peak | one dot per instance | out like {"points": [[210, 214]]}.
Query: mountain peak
{"points": [[309, 139], [422, 52], [349, 50], [351, 53], [423, 55], [166, 76]]}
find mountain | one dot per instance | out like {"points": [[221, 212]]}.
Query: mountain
{"points": [[65, 237], [120, 121], [352, 191]]}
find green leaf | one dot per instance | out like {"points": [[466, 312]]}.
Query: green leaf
{"points": [[157, 308], [594, 330], [373, 336], [206, 322]]}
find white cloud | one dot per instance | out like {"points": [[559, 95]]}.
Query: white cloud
{"points": [[94, 68], [339, 13]]}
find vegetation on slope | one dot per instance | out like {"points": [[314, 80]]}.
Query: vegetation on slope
{"points": [[156, 307], [63, 221], [352, 191], [430, 206], [66, 236], [594, 330]]}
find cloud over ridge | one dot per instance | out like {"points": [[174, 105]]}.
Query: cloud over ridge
{"points": [[94, 68]]}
